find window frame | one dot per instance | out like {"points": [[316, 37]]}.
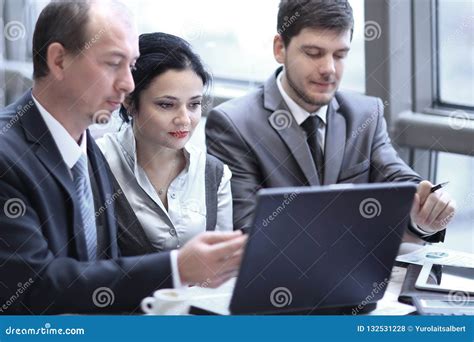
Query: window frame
{"points": [[412, 97], [438, 103]]}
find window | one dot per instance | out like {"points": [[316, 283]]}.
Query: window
{"points": [[455, 42], [235, 38], [457, 169]]}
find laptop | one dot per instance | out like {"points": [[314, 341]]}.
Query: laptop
{"points": [[322, 250]]}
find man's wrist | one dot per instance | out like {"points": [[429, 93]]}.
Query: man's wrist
{"points": [[175, 275], [420, 231]]}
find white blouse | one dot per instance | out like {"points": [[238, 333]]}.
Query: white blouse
{"points": [[186, 214]]}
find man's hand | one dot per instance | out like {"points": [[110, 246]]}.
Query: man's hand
{"points": [[432, 211], [211, 258]]}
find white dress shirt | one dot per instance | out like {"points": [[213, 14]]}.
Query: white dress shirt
{"points": [[167, 229], [67, 146]]}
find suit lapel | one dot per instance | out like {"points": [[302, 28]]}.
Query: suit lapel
{"points": [[296, 143], [335, 143], [292, 134], [99, 169], [38, 134]]}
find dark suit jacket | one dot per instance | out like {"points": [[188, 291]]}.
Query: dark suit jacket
{"points": [[264, 151], [42, 242]]}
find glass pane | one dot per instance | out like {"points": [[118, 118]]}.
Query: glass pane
{"points": [[235, 38], [456, 51], [457, 169]]}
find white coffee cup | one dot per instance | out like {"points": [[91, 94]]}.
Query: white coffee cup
{"points": [[166, 302]]}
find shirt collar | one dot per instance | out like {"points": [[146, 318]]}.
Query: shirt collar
{"points": [[298, 112], [127, 141], [67, 146]]}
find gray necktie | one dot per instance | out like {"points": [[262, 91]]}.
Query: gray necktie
{"points": [[86, 204], [310, 125]]}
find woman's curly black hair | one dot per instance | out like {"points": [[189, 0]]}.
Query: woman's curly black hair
{"points": [[160, 52]]}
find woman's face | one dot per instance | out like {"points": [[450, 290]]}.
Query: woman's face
{"points": [[169, 109]]}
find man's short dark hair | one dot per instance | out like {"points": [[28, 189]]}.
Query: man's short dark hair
{"points": [[64, 22], [296, 15]]}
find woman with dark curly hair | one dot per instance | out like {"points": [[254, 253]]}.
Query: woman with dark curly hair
{"points": [[173, 190]]}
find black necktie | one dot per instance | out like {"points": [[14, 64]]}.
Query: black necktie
{"points": [[310, 125]]}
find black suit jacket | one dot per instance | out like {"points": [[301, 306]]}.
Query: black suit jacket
{"points": [[42, 243]]}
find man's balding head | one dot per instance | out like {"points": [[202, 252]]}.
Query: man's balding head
{"points": [[72, 24]]}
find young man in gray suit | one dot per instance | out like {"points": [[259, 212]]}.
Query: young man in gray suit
{"points": [[298, 129], [58, 232]]}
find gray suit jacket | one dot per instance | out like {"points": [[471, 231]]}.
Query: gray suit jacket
{"points": [[264, 151]]}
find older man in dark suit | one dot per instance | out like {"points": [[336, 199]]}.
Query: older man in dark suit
{"points": [[58, 235], [298, 129]]}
